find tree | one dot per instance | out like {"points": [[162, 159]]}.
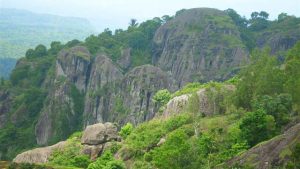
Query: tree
{"points": [[133, 23], [56, 46], [40, 51], [256, 127], [282, 16], [30, 54], [239, 21], [162, 97], [108, 31], [259, 20], [292, 73], [279, 106], [264, 15], [254, 15], [262, 76]]}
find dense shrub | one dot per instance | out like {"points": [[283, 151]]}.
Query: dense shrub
{"points": [[257, 126], [126, 130], [107, 161]]}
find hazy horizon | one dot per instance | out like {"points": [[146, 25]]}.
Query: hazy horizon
{"points": [[115, 14]]}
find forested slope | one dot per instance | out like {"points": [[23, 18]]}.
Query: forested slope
{"points": [[114, 77]]}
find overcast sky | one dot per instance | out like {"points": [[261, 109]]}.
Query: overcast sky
{"points": [[117, 13]]}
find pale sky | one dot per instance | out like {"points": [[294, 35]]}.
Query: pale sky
{"points": [[117, 13]]}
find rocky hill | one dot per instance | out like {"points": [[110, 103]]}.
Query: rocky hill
{"points": [[114, 77]]}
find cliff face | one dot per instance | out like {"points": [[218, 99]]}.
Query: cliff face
{"points": [[80, 87], [86, 90], [199, 45]]}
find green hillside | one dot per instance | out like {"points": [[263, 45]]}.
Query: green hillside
{"points": [[21, 30]]}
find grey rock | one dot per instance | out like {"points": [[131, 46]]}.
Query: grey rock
{"points": [[38, 155], [208, 101], [194, 47], [269, 153], [93, 151], [99, 133]]}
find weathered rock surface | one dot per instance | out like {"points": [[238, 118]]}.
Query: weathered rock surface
{"points": [[93, 151], [207, 102], [94, 140], [104, 81], [272, 153], [138, 88], [100, 133], [184, 47], [38, 155], [73, 64]]}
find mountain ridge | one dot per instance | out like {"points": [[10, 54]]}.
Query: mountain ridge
{"points": [[114, 77]]}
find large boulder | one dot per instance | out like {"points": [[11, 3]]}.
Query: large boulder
{"points": [[100, 133], [38, 155], [270, 154], [208, 101]]}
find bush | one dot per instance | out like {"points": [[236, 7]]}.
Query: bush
{"points": [[162, 97], [126, 130], [257, 126], [107, 161]]}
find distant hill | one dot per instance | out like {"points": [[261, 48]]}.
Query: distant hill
{"points": [[6, 66], [21, 30]]}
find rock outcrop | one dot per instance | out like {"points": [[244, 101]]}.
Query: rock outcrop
{"points": [[94, 140], [38, 155], [86, 90], [96, 137], [270, 154], [208, 101], [99, 133], [184, 47], [104, 82], [138, 88]]}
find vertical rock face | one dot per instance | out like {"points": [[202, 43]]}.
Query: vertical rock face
{"points": [[99, 100], [85, 90], [74, 65], [138, 88], [199, 45], [59, 117]]}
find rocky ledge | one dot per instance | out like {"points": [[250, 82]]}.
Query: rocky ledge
{"points": [[94, 140]]}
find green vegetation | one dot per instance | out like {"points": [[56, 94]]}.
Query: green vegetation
{"points": [[257, 126], [138, 37], [264, 100], [126, 130], [258, 110], [107, 161], [71, 155], [162, 97]]}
